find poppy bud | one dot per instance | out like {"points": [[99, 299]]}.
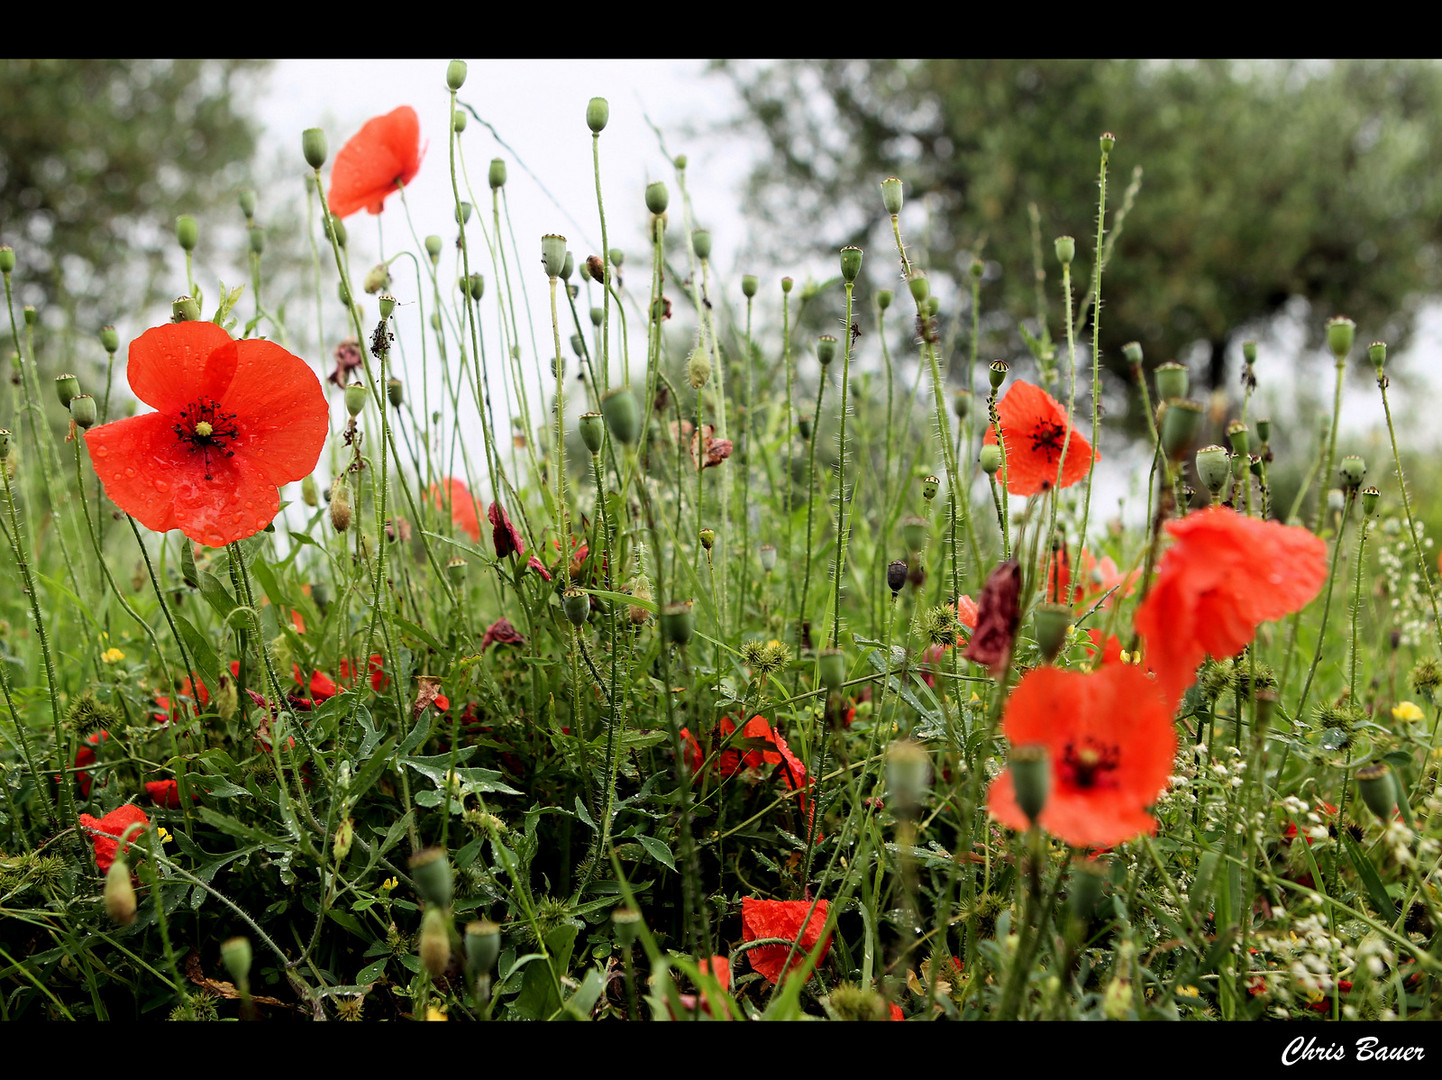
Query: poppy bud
{"points": [[1374, 782], [431, 871], [109, 339], [184, 309], [598, 112], [1172, 380], [825, 349], [474, 286], [593, 431], [66, 387], [1237, 436], [119, 893], [1108, 143], [1052, 621], [497, 175], [433, 247], [31, 315], [850, 263], [1264, 429], [884, 298], [929, 486], [1353, 469], [1249, 352], [918, 285], [1336, 501], [82, 411], [395, 392], [312, 145], [803, 427], [891, 195], [786, 284], [990, 459], [749, 285], [227, 698], [1369, 500], [456, 74], [246, 198], [483, 947], [435, 942], [344, 835], [598, 315], [832, 664], [698, 370], [961, 403], [896, 576], [378, 278], [568, 267], [558, 366], [1377, 353], [308, 492], [187, 232], [996, 373], [335, 229], [1213, 468], [1031, 778], [340, 508], [626, 921], [908, 774], [188, 572], [708, 538], [1132, 353], [933, 305], [355, 398], [236, 955], [677, 624], [463, 212], [701, 241], [767, 554], [1065, 250], [577, 605], [657, 197], [622, 415], [458, 121], [7, 259], [1341, 332], [256, 236], [553, 254], [1181, 423], [456, 570], [913, 533]]}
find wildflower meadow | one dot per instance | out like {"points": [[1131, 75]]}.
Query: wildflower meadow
{"points": [[597, 645]]}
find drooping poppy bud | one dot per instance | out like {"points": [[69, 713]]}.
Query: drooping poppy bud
{"points": [[236, 955], [435, 947], [119, 893], [998, 613], [431, 871]]}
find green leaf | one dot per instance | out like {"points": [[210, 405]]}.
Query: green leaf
{"points": [[216, 595], [206, 662], [1376, 891], [584, 814], [539, 998], [371, 972], [658, 851]]}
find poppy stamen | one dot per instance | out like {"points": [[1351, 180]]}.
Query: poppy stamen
{"points": [[204, 428], [1090, 765], [1049, 436]]}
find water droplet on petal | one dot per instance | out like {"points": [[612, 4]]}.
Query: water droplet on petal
{"points": [[102, 451], [129, 472], [162, 486]]}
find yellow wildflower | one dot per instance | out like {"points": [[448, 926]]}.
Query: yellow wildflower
{"points": [[1407, 711], [113, 655], [389, 883], [164, 835]]}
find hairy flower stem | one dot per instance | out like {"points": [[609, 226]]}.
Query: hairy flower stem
{"points": [[841, 495], [810, 515], [1096, 344], [1357, 607], [1422, 567], [1331, 445], [1326, 604], [1039, 908]]}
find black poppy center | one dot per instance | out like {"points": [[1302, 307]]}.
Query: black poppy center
{"points": [[1049, 436], [204, 429], [1089, 765]]}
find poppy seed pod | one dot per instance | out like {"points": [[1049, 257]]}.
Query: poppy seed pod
{"points": [[996, 373], [340, 507], [1065, 250], [598, 113], [1108, 142], [657, 197], [456, 570], [1031, 775], [929, 487], [355, 399], [598, 315], [913, 533], [1213, 468], [884, 298], [256, 236], [708, 538], [236, 955], [592, 426], [767, 554], [1172, 380], [891, 195], [908, 774], [483, 947], [920, 288], [677, 623], [7, 259], [1249, 352], [458, 121], [184, 309], [435, 947], [119, 893], [1377, 353], [109, 339], [626, 921], [497, 175], [990, 459], [895, 576], [786, 285], [387, 305], [1264, 429], [1132, 353], [66, 387], [1181, 424], [1353, 470], [749, 284], [825, 349], [431, 871], [1237, 435], [850, 263], [456, 74], [82, 411], [1374, 783], [1052, 623], [1341, 333], [961, 403], [31, 315], [832, 665], [1369, 500], [187, 232], [312, 145], [577, 605], [476, 286], [553, 254], [701, 241], [622, 415]]}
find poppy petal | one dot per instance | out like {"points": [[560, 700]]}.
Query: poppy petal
{"points": [[280, 411], [134, 459], [386, 150], [167, 365]]}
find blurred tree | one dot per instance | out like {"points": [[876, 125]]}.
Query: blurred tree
{"points": [[1263, 182], [98, 158]]}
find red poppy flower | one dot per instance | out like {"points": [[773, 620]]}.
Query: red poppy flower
{"points": [[1033, 430], [465, 513], [1225, 575], [966, 613], [235, 420], [322, 686], [377, 669], [782, 919], [164, 793], [1097, 578], [691, 751], [1110, 743], [385, 152], [107, 831], [732, 762], [896, 1013], [193, 691], [84, 756], [503, 632], [506, 536]]}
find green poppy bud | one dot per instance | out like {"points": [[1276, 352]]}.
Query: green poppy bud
{"points": [[577, 605], [458, 121], [929, 487], [933, 305], [598, 112], [483, 947], [701, 241], [1181, 423], [82, 411], [435, 949], [749, 285], [850, 263], [896, 576], [187, 232], [1341, 332], [913, 533], [1031, 779], [626, 921], [990, 459], [1172, 380], [680, 162], [236, 955], [184, 309], [593, 431], [568, 267], [677, 623], [1213, 468], [431, 871], [256, 235], [119, 893], [1377, 353], [617, 257], [376, 279], [340, 507], [1374, 782], [1237, 435], [355, 398], [918, 285], [884, 298], [433, 247], [708, 538], [891, 195], [698, 368], [66, 387], [7, 259], [109, 339], [31, 315], [312, 145], [598, 316], [826, 349], [4, 444], [832, 666], [1336, 501], [553, 254], [1353, 469], [1132, 353], [456, 74], [657, 197], [308, 493], [344, 837], [497, 175], [908, 774], [996, 373], [767, 554], [335, 227], [1065, 250], [1052, 621], [476, 286], [623, 415]]}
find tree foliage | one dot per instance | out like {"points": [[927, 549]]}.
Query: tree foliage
{"points": [[1262, 182]]}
